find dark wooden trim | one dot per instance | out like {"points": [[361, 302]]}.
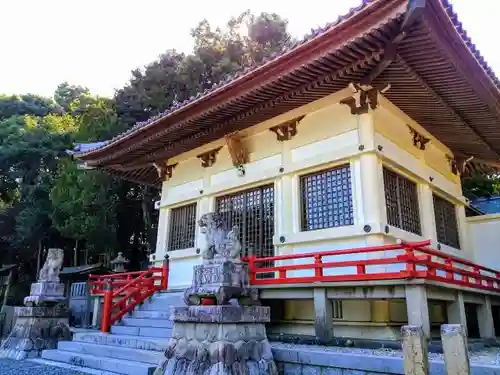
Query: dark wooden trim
{"points": [[209, 158], [419, 141], [368, 99], [286, 130], [165, 170], [237, 150]]}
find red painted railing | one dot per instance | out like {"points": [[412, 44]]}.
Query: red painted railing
{"points": [[407, 260], [124, 291]]}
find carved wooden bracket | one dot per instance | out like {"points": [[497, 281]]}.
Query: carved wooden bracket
{"points": [[287, 130], [237, 150], [419, 140], [458, 164], [164, 170], [208, 158], [362, 101]]}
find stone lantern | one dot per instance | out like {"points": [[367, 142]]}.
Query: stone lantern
{"points": [[119, 263]]}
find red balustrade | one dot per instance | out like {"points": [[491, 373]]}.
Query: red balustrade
{"points": [[405, 260], [124, 291]]}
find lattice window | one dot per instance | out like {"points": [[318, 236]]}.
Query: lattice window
{"points": [[327, 199], [446, 222], [253, 211], [401, 202], [182, 227]]}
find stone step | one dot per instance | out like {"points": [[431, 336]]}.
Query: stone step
{"points": [[120, 366], [68, 366], [138, 342], [141, 322], [111, 351], [156, 305], [141, 331], [150, 314]]}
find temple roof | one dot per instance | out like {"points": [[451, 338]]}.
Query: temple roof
{"points": [[436, 76]]}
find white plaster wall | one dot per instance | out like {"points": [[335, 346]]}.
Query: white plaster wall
{"points": [[328, 136], [485, 239]]}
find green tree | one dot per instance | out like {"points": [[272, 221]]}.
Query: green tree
{"points": [[66, 94]]}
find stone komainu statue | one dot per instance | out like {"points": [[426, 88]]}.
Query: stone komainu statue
{"points": [[52, 266], [218, 241]]}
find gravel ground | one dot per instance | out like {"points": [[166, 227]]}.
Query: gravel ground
{"points": [[10, 367]]}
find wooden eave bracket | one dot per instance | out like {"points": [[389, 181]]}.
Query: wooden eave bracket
{"points": [[287, 130], [418, 139], [164, 170], [362, 101], [209, 158], [237, 149]]}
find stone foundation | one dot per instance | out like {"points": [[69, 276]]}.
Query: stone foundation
{"points": [[222, 340], [36, 329]]}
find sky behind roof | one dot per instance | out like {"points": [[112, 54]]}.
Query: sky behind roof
{"points": [[96, 43]]}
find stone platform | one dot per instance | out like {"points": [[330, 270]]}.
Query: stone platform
{"points": [[219, 340], [36, 328], [43, 292]]}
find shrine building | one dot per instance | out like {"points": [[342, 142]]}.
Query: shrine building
{"points": [[351, 143]]}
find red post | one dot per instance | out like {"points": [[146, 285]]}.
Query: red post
{"points": [[106, 311], [410, 262], [164, 272], [449, 274], [318, 269], [251, 268]]}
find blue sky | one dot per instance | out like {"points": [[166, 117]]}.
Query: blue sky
{"points": [[97, 43]]}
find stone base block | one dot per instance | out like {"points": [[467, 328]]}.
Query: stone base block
{"points": [[221, 314], [36, 329], [42, 292], [218, 349]]}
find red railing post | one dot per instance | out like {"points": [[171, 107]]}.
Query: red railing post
{"points": [[479, 281], [318, 267], [449, 274], [251, 268], [106, 311], [164, 272], [410, 262]]}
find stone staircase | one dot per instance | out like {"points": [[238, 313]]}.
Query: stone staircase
{"points": [[135, 346]]}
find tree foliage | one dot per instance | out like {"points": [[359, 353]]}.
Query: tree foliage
{"points": [[46, 200]]}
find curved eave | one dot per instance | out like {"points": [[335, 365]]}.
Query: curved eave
{"points": [[438, 78], [357, 22]]}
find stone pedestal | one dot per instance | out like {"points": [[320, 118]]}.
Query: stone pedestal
{"points": [[44, 320], [37, 328], [219, 340], [212, 336], [43, 292]]}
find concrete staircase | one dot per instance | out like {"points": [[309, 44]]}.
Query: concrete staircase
{"points": [[135, 346]]}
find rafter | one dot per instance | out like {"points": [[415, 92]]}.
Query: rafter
{"points": [[447, 107], [414, 11]]}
